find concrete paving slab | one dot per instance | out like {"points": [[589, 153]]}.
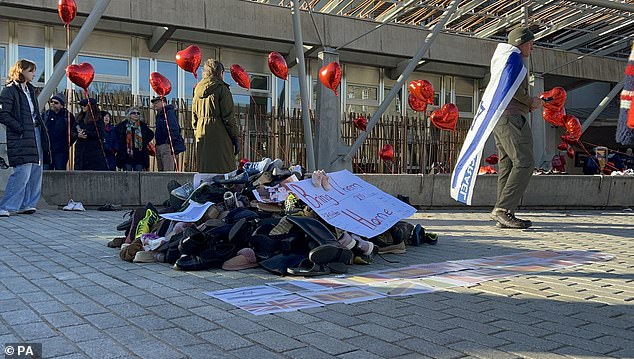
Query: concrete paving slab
{"points": [[61, 286]]}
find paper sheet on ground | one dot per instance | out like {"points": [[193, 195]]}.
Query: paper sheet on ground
{"points": [[192, 213], [352, 204], [286, 303]]}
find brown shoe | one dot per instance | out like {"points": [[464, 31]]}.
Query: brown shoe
{"points": [[506, 219]]}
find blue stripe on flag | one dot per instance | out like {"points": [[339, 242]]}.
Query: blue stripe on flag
{"points": [[510, 72]]}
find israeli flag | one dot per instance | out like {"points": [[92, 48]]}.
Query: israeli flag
{"points": [[507, 73]]}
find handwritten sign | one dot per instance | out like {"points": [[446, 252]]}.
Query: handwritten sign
{"points": [[352, 204]]}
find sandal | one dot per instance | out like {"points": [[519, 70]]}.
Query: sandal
{"points": [[309, 269]]}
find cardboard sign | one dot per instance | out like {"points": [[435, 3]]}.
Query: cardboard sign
{"points": [[352, 204]]}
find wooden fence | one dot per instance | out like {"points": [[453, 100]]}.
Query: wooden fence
{"points": [[418, 146]]}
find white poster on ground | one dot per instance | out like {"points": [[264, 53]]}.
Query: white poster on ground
{"points": [[352, 204]]}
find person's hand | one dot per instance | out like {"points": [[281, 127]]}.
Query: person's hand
{"points": [[82, 134], [236, 146], [537, 103]]}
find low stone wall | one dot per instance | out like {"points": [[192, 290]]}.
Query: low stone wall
{"points": [[425, 191]]}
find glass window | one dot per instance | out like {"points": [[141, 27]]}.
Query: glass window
{"points": [[101, 87], [190, 82], [395, 106], [144, 76], [464, 103], [260, 82], [169, 70], [281, 93], [35, 54], [3, 63], [296, 97], [361, 109], [362, 92], [107, 66], [57, 57]]}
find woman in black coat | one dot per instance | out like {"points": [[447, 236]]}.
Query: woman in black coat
{"points": [[89, 149], [133, 135], [20, 113]]}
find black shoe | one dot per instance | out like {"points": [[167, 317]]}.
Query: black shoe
{"points": [[506, 219], [212, 257], [193, 243], [125, 225], [241, 178]]}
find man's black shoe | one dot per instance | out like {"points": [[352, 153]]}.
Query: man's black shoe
{"points": [[212, 257], [506, 219]]}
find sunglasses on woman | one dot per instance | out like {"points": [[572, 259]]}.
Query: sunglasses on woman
{"points": [[135, 113]]}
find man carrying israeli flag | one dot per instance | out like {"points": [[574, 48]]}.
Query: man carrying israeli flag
{"points": [[504, 111]]}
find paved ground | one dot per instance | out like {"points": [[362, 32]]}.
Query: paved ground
{"points": [[61, 286]]}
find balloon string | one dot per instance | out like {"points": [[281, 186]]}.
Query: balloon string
{"points": [[609, 150], [103, 152], [169, 134], [256, 118], [68, 183]]}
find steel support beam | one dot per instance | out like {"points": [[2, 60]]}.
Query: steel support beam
{"points": [[291, 60], [303, 86], [160, 35], [608, 4], [413, 63], [80, 40], [602, 105]]}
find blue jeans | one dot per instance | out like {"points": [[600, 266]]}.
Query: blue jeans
{"points": [[59, 159], [24, 188]]}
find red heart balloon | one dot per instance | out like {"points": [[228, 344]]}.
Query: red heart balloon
{"points": [[563, 146], [360, 123], [573, 127], [188, 59], [330, 76], [554, 100], [493, 159], [566, 138], [81, 75], [387, 153], [423, 90], [416, 104], [67, 9], [446, 117], [277, 65], [240, 76], [571, 152], [160, 84]]}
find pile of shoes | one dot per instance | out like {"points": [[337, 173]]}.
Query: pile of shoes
{"points": [[234, 230]]}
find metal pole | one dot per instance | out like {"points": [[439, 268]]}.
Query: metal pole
{"points": [[80, 40], [602, 105], [399, 84], [303, 89]]}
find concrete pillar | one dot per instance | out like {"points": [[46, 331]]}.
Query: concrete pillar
{"points": [[328, 141]]}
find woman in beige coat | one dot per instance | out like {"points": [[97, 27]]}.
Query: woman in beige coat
{"points": [[215, 128]]}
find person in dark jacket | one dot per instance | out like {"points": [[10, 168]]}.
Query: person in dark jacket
{"points": [[90, 152], [133, 135], [57, 119], [111, 144], [20, 113], [215, 128], [169, 142]]}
